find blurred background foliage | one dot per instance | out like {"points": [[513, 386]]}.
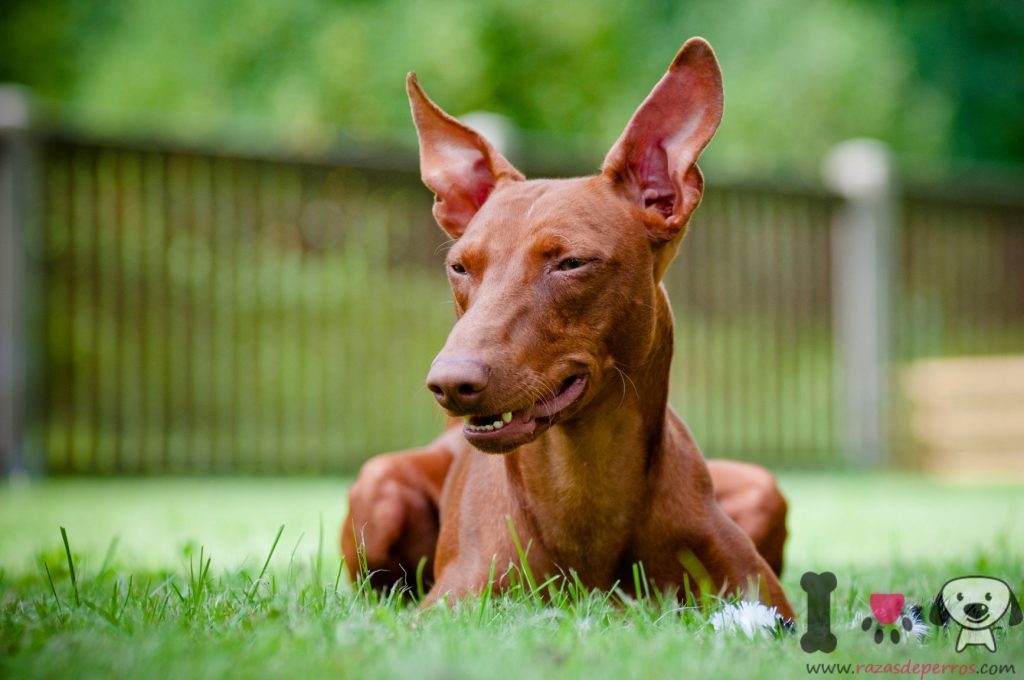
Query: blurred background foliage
{"points": [[241, 269], [933, 79]]}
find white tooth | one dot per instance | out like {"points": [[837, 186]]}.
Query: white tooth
{"points": [[487, 427], [498, 424], [507, 416]]}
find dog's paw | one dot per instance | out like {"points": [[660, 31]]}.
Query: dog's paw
{"points": [[392, 525]]}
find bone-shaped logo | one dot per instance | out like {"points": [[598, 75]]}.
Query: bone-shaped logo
{"points": [[819, 587]]}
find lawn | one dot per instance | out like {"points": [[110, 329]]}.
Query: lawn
{"points": [[147, 604]]}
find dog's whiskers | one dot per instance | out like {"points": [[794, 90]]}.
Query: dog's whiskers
{"points": [[624, 377]]}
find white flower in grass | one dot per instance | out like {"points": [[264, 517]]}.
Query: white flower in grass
{"points": [[752, 618]]}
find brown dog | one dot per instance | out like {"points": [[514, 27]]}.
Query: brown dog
{"points": [[559, 361]]}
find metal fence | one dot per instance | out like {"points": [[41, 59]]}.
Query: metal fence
{"points": [[209, 312]]}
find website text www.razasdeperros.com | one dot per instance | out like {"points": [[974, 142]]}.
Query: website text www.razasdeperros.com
{"points": [[912, 669]]}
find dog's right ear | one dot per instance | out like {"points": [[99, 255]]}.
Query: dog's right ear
{"points": [[456, 162], [939, 615], [655, 159]]}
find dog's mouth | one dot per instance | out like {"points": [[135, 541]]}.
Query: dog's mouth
{"points": [[505, 431]]}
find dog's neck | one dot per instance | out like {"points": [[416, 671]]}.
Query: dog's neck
{"points": [[581, 483]]}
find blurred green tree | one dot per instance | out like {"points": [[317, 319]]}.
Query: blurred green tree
{"points": [[931, 78]]}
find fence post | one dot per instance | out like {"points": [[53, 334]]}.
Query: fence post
{"points": [[18, 314], [863, 260]]}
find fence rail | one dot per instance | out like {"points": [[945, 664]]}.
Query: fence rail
{"points": [[209, 312]]}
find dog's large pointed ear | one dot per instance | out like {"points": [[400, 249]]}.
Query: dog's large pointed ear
{"points": [[456, 162], [655, 159], [1016, 615], [939, 615]]}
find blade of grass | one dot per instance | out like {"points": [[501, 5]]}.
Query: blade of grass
{"points": [[127, 597], [420, 566], [337, 579], [524, 564], [53, 588], [320, 552], [71, 566], [291, 559], [110, 554], [486, 599], [266, 563]]}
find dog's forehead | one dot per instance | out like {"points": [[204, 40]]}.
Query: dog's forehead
{"points": [[520, 211]]}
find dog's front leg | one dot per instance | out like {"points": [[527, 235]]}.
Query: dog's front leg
{"points": [[730, 558], [393, 520]]}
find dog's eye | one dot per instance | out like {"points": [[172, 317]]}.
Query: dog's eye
{"points": [[571, 263], [457, 268], [959, 597], [988, 596]]}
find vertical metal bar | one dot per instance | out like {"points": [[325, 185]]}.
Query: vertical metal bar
{"points": [[56, 231], [94, 341], [718, 329], [764, 441], [21, 362], [737, 297], [134, 282], [234, 231], [318, 409], [213, 258], [775, 313], [301, 287], [69, 277], [255, 219], [119, 346], [829, 379], [860, 170], [794, 436], [216, 370], [692, 364], [191, 245], [286, 192], [151, 300], [699, 280], [167, 311], [263, 248]]}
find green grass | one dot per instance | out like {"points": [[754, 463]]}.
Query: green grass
{"points": [[168, 584]]}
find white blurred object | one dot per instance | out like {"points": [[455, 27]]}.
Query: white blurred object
{"points": [[751, 618], [857, 167], [496, 129]]}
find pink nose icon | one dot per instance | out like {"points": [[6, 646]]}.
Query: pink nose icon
{"points": [[887, 607]]}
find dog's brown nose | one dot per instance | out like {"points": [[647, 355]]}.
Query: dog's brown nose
{"points": [[457, 383]]}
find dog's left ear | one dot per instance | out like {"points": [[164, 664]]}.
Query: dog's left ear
{"points": [[655, 159], [1016, 615], [456, 162]]}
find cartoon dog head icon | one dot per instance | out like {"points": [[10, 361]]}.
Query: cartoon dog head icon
{"points": [[975, 603]]}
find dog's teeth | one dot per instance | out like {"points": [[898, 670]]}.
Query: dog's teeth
{"points": [[489, 427]]}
